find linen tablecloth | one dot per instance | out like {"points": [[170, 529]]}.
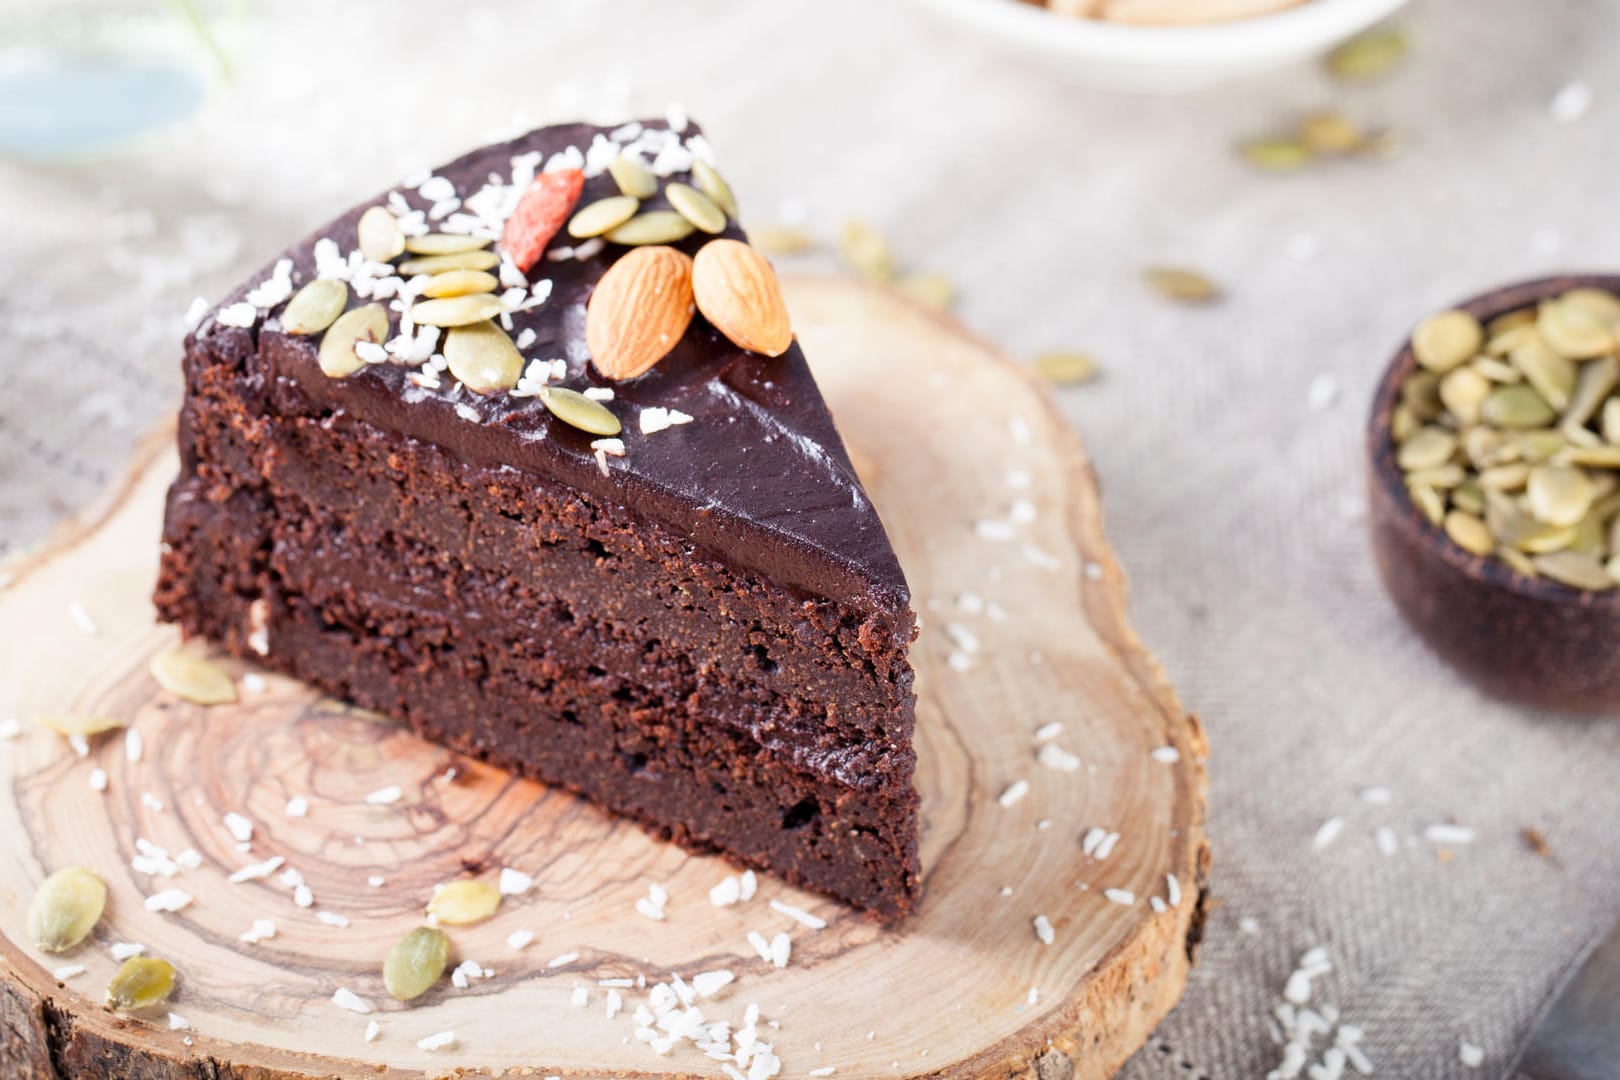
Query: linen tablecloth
{"points": [[1227, 438]]}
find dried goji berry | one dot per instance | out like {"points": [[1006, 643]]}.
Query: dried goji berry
{"points": [[539, 214]]}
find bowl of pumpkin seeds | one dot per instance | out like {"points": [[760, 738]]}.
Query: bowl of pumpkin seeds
{"points": [[1494, 504]]}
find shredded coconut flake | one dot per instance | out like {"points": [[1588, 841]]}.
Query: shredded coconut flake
{"points": [[515, 883], [1013, 792], [344, 998], [169, 900], [444, 1040], [387, 796], [1054, 756], [799, 915], [1043, 930]]}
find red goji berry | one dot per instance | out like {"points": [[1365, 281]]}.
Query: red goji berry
{"points": [[539, 214]]}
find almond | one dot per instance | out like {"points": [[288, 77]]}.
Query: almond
{"points": [[736, 290], [640, 309]]}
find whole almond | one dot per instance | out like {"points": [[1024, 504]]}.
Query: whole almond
{"points": [[640, 309], [736, 290]]}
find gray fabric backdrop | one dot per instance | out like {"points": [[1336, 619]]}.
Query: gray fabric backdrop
{"points": [[1233, 501]]}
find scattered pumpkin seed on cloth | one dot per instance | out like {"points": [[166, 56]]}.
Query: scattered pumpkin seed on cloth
{"points": [[1508, 435]]}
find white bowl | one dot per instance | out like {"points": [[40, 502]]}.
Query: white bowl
{"points": [[1168, 59]]}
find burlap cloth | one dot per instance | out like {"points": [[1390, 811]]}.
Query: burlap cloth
{"points": [[1228, 439]]}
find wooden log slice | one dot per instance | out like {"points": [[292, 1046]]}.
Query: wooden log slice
{"points": [[1023, 627]]}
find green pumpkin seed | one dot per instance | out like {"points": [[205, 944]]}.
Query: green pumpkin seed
{"points": [[1572, 330], [930, 290], [1505, 322], [1516, 407], [1469, 533], [1590, 537], [456, 310], [1439, 477], [444, 244], [81, 724], [866, 252], [379, 235], [1276, 155], [1597, 378], [578, 411], [1066, 368], [1469, 497], [198, 681], [1485, 447], [1463, 390], [1597, 303], [337, 356], [66, 908], [1331, 133], [460, 283], [1429, 501], [1538, 446], [1505, 477], [1552, 375], [711, 183], [1445, 340], [780, 240], [1610, 421], [1510, 339], [1181, 285], [1594, 457], [653, 227], [314, 307], [1577, 570], [1367, 55], [602, 215], [634, 178], [1559, 494], [416, 962], [466, 901], [1403, 422], [1517, 560], [483, 358], [1518, 529], [1421, 394], [440, 264], [1427, 448], [1498, 371], [143, 982], [696, 207]]}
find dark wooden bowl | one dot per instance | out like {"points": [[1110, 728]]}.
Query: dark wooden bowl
{"points": [[1529, 640]]}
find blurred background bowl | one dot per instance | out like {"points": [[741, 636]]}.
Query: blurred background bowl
{"points": [[1171, 59]]}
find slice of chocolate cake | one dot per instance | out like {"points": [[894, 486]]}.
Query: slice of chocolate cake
{"points": [[522, 452]]}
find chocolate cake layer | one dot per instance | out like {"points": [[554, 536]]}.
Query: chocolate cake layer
{"points": [[707, 634]]}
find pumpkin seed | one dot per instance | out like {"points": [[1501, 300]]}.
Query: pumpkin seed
{"points": [[1469, 533], [1330, 133], [143, 982], [416, 962], [1590, 538], [1429, 501], [314, 307], [1503, 323], [1469, 497], [1559, 494], [1518, 560], [1426, 448], [199, 681], [695, 207], [578, 411], [1600, 305], [634, 178], [1439, 477], [602, 215], [712, 184], [1463, 390], [1276, 155], [460, 283], [66, 908], [82, 724], [1066, 368], [931, 290], [1402, 422], [1367, 55], [1482, 446], [444, 243], [866, 252], [337, 355], [466, 901], [456, 310], [1551, 374], [1516, 407], [1572, 330], [1181, 285], [1538, 446], [1447, 339], [1505, 477], [1612, 567], [1595, 457], [1572, 568], [780, 239], [483, 357], [1510, 339], [379, 235], [1610, 421], [1596, 379], [1421, 394], [653, 227], [438, 264], [1498, 371]]}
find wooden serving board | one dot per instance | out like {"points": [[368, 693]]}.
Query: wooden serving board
{"points": [[937, 421]]}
